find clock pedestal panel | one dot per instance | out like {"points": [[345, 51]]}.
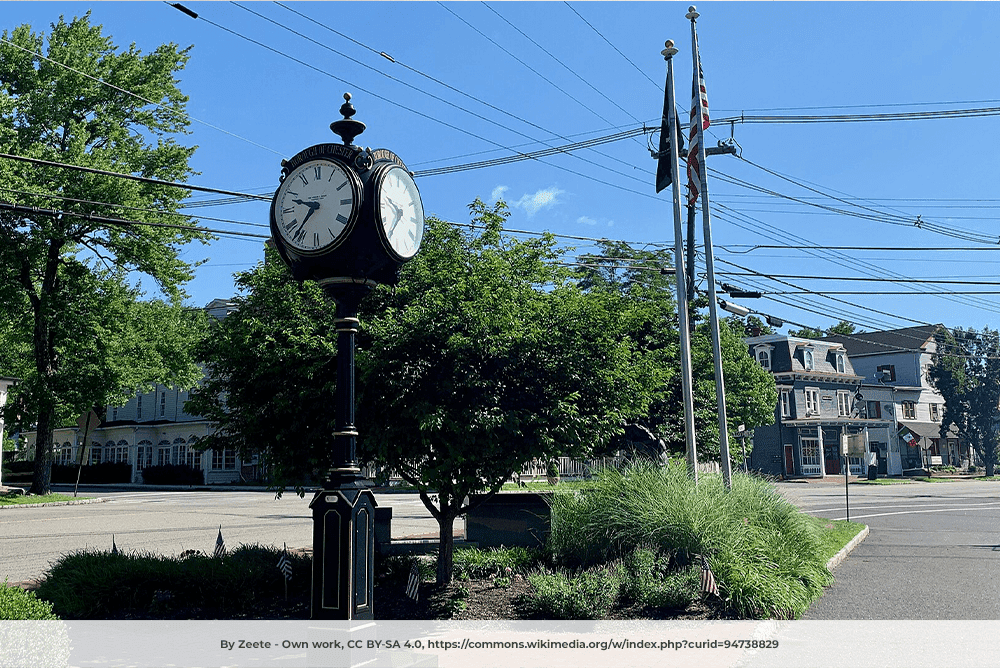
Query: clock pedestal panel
{"points": [[343, 553]]}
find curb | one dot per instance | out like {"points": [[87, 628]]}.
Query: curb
{"points": [[846, 550], [78, 502]]}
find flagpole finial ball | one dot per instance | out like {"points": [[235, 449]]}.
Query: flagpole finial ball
{"points": [[692, 13], [669, 43], [670, 51]]}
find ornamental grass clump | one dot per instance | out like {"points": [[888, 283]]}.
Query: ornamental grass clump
{"points": [[765, 556]]}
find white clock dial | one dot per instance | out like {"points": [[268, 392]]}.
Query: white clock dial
{"points": [[400, 212], [315, 205]]}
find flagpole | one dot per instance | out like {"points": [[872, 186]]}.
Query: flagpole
{"points": [[670, 115], [713, 311]]}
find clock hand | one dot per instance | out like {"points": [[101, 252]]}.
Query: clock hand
{"points": [[312, 210]]}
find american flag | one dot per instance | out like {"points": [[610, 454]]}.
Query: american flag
{"points": [[413, 586], [285, 564], [220, 545], [708, 585], [699, 110]]}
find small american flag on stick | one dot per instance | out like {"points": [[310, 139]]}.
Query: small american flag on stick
{"points": [[413, 585], [708, 585], [285, 564], [220, 545]]}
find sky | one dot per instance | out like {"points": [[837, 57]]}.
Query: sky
{"points": [[802, 207]]}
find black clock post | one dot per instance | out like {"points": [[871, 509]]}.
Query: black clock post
{"points": [[347, 218]]}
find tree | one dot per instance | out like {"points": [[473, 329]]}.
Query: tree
{"points": [[488, 356], [966, 371], [651, 325], [271, 373], [843, 328], [64, 276]]}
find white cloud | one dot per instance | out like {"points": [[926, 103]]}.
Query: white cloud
{"points": [[585, 220], [542, 199], [498, 193]]}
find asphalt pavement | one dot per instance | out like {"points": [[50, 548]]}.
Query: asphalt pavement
{"points": [[933, 551]]}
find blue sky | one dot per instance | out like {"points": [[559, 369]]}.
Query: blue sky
{"points": [[542, 74]]}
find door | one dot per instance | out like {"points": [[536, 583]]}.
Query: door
{"points": [[831, 459], [789, 461]]}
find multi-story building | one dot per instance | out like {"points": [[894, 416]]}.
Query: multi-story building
{"points": [[821, 399], [152, 428], [898, 359]]}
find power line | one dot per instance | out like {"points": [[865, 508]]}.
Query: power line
{"points": [[572, 9], [141, 179]]}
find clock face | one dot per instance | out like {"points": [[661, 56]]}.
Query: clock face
{"points": [[315, 206], [400, 212]]}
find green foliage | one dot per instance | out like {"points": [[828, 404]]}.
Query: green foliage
{"points": [[100, 585], [585, 595], [653, 581], [765, 555], [173, 474], [966, 371], [485, 357], [843, 328], [80, 333], [105, 472], [496, 562], [15, 603], [271, 375]]}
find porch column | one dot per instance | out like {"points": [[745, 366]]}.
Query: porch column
{"points": [[822, 452]]}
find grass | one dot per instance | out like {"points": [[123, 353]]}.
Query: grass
{"points": [[833, 535], [12, 500], [881, 481], [765, 554]]}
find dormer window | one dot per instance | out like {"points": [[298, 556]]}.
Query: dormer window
{"points": [[841, 360], [763, 354], [807, 359]]}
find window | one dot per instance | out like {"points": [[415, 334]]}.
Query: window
{"points": [[886, 373], [163, 403], [224, 459], [841, 363], [874, 410], [114, 413], [812, 400], [144, 454], [909, 410], [807, 359], [786, 403], [764, 357], [843, 403], [810, 456], [935, 412], [138, 407]]}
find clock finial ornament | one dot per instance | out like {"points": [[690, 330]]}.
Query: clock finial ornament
{"points": [[347, 127]]}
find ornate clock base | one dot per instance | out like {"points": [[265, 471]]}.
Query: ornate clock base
{"points": [[343, 552]]}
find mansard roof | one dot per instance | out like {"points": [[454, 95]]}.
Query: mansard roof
{"points": [[907, 339]]}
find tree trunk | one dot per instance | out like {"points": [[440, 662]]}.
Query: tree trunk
{"points": [[45, 367], [42, 483], [446, 550]]}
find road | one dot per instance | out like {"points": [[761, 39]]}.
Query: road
{"points": [[933, 551], [171, 522]]}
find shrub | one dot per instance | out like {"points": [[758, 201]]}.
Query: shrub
{"points": [[101, 585], [173, 474], [765, 555], [586, 595], [653, 583], [481, 564], [105, 472], [15, 603]]}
